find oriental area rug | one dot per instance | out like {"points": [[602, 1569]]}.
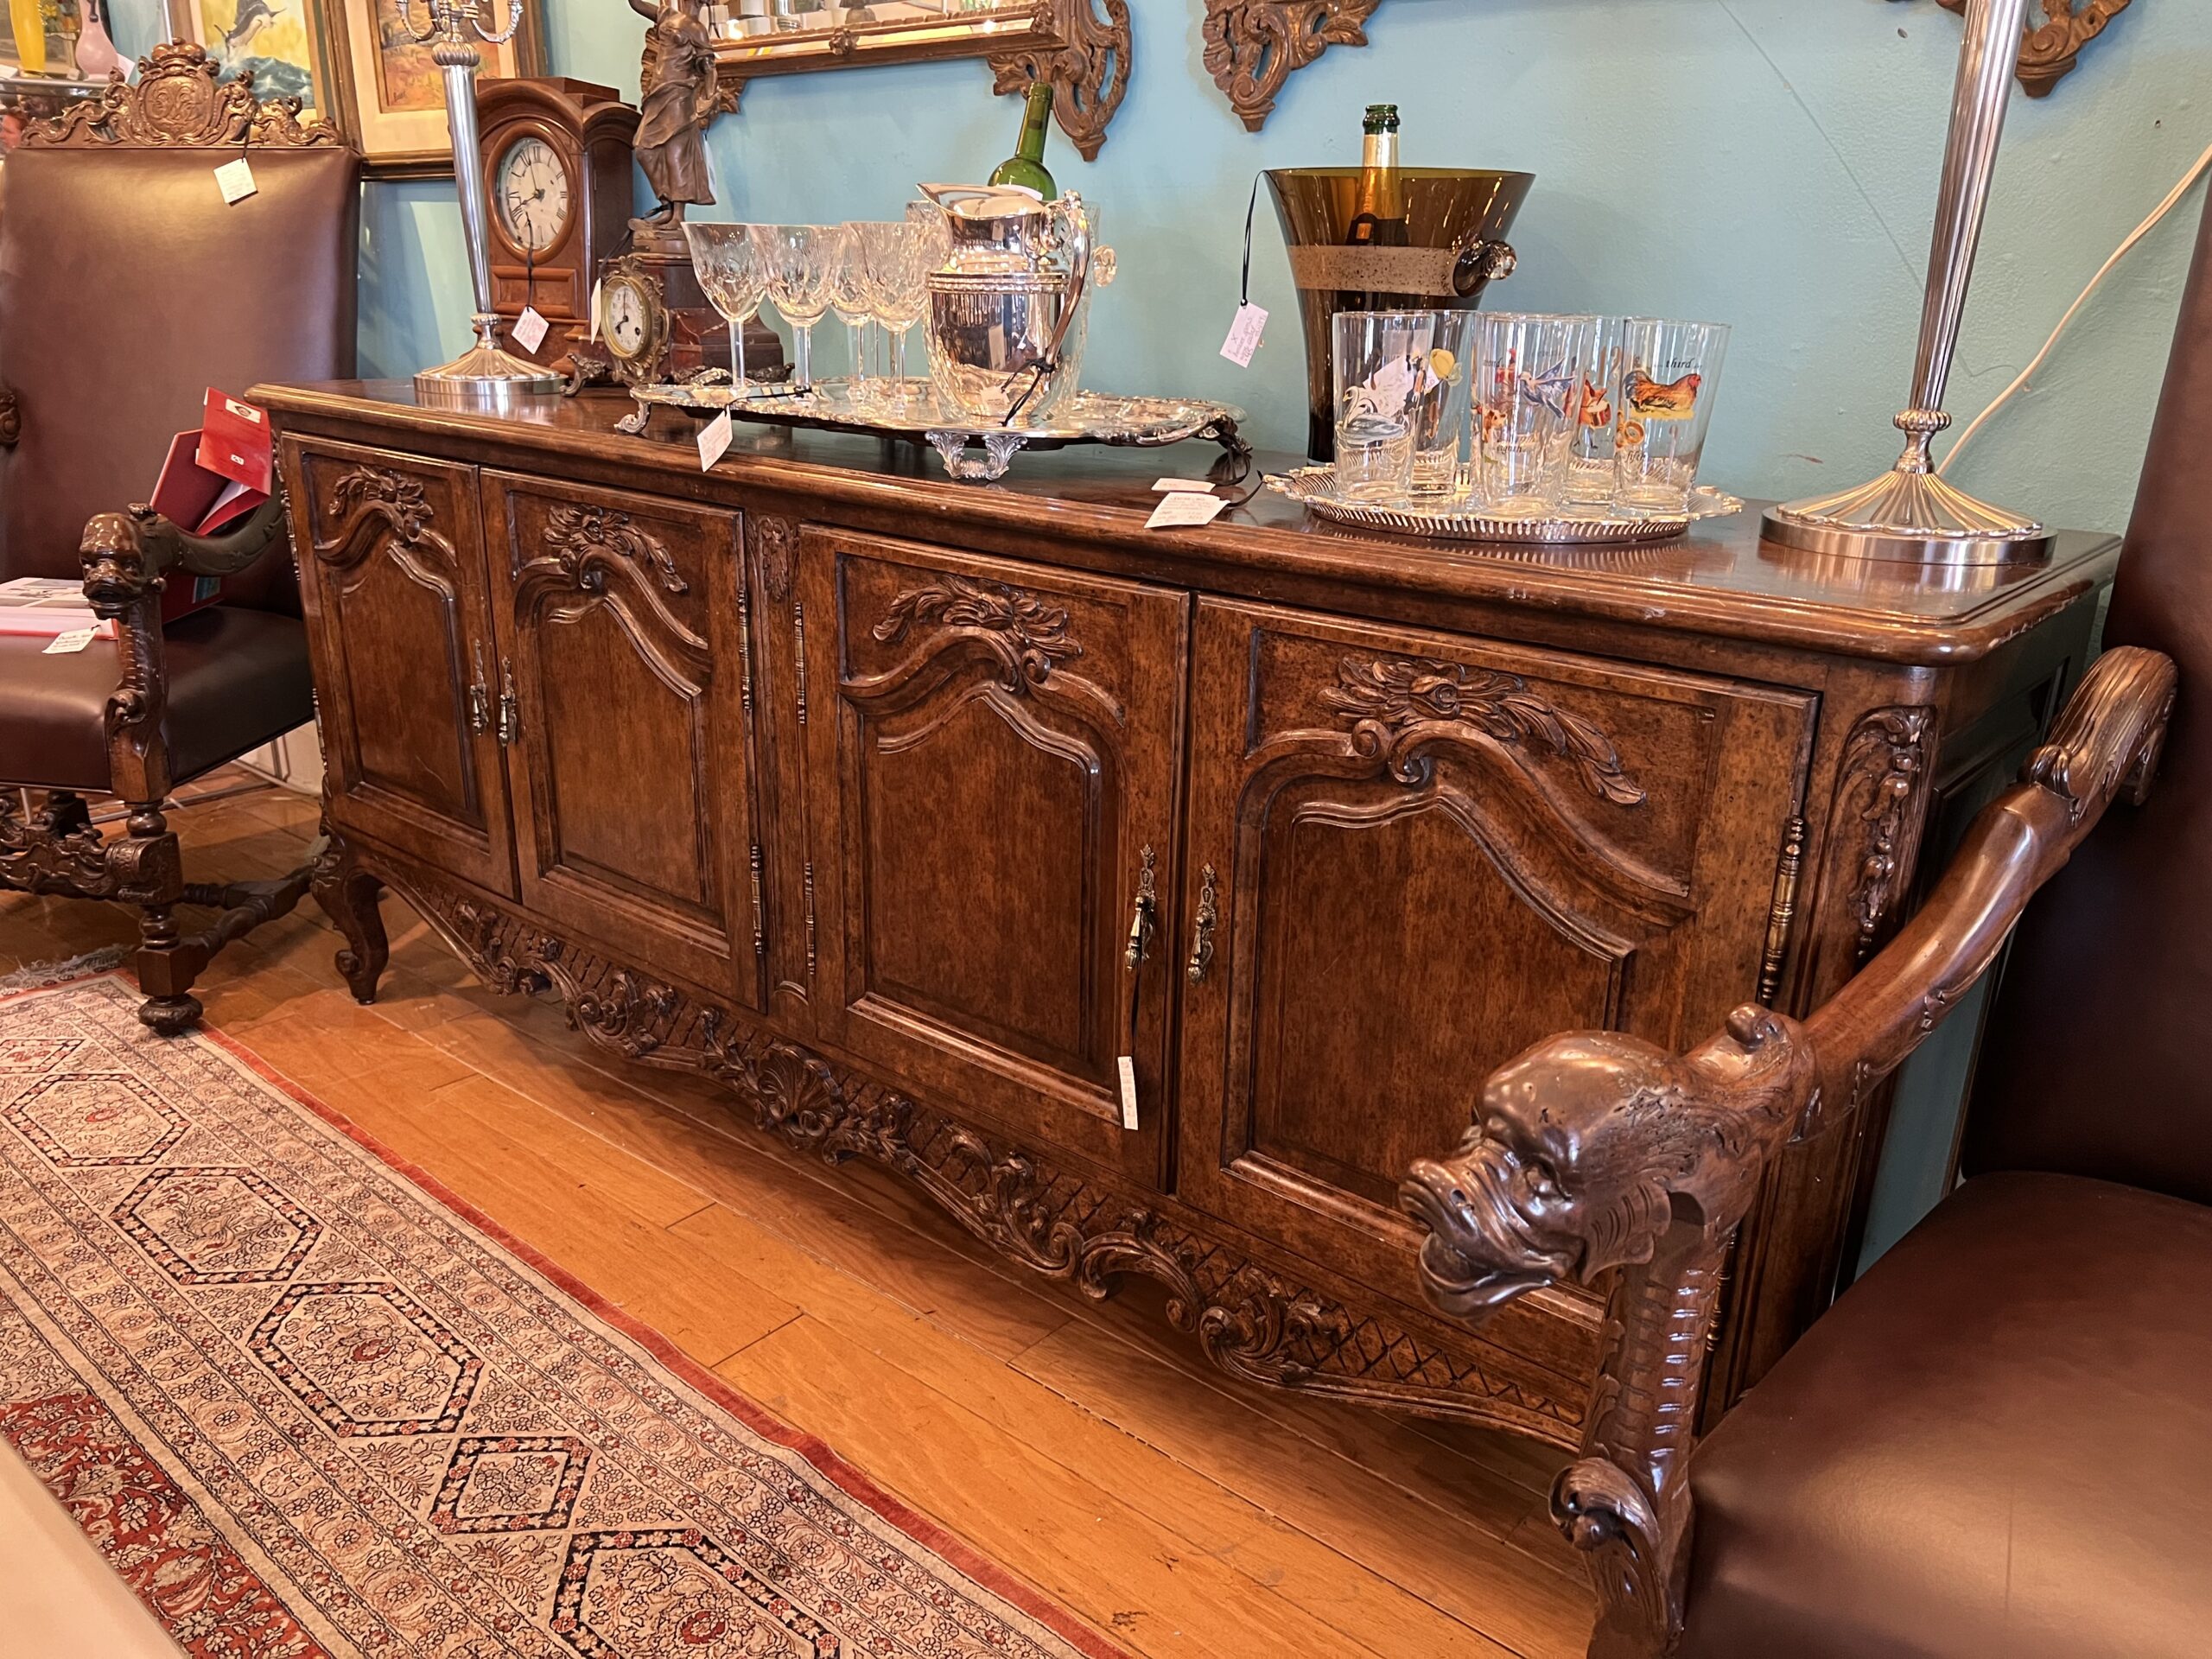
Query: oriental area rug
{"points": [[307, 1403]]}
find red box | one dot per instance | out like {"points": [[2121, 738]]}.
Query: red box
{"points": [[234, 441]]}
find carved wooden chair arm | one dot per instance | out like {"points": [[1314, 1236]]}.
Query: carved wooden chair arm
{"points": [[1597, 1151], [125, 554]]}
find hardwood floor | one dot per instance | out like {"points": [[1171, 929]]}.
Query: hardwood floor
{"points": [[1088, 1448]]}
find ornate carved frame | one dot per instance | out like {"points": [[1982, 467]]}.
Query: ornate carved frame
{"points": [[1082, 47], [176, 104], [2049, 53], [1252, 46], [1598, 1152]]}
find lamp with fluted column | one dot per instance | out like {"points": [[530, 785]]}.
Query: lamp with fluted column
{"points": [[1909, 514], [487, 375]]}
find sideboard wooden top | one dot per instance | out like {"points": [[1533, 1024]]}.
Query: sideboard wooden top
{"points": [[1720, 579]]}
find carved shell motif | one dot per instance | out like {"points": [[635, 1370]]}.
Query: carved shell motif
{"points": [[1028, 635], [1395, 705]]}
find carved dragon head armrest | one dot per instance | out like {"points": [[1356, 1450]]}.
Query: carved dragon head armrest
{"points": [[1599, 1151], [125, 554], [1589, 1148]]}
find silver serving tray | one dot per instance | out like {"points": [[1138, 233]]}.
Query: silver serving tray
{"points": [[1085, 417], [1314, 487]]}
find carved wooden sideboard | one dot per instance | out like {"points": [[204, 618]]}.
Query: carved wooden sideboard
{"points": [[905, 809]]}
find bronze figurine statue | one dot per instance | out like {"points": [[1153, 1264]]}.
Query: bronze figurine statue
{"points": [[679, 101]]}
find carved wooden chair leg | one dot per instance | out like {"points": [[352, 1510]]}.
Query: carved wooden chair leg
{"points": [[147, 869], [348, 896]]}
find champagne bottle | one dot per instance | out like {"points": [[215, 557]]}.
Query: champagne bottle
{"points": [[1026, 165], [1380, 220]]}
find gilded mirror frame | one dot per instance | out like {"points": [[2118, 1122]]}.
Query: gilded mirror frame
{"points": [[1082, 47]]}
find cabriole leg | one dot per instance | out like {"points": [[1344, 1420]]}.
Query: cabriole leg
{"points": [[348, 896]]}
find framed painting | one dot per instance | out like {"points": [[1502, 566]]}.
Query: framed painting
{"points": [[282, 47], [391, 98]]}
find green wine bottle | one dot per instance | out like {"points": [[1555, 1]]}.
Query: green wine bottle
{"points": [[1380, 218], [1026, 165]]}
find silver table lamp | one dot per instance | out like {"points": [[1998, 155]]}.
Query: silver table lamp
{"points": [[1909, 514], [486, 375]]}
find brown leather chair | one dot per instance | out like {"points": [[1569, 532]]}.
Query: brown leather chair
{"points": [[1999, 1442], [127, 289]]}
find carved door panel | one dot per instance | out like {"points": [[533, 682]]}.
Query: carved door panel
{"points": [[1002, 749], [1410, 856], [625, 626], [392, 580]]}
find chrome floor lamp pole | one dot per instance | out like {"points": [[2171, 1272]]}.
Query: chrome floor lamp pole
{"points": [[485, 375], [1909, 514]]}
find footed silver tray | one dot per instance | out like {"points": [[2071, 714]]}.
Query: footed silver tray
{"points": [[1314, 487], [1085, 417]]}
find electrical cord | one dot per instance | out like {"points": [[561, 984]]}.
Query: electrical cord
{"points": [[2173, 196]]}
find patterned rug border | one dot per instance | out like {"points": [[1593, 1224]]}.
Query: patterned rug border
{"points": [[849, 1478]]}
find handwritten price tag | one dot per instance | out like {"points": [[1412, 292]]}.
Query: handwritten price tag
{"points": [[62, 643], [530, 329], [713, 439], [1181, 508], [235, 180], [1245, 334], [595, 287], [1127, 1068], [1197, 484]]}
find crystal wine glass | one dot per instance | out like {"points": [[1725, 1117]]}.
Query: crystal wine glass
{"points": [[800, 260], [730, 271], [853, 297], [898, 256]]}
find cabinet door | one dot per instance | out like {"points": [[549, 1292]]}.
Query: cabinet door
{"points": [[623, 626], [392, 580], [1424, 853], [1001, 748]]}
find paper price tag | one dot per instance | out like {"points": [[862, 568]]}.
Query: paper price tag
{"points": [[1197, 484], [1127, 1068], [1181, 508], [235, 180], [715, 438], [530, 329], [595, 287], [1245, 334], [62, 643]]}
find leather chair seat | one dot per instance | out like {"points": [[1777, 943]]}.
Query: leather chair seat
{"points": [[237, 678], [1994, 1445]]}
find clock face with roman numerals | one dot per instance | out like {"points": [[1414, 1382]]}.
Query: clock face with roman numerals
{"points": [[530, 193]]}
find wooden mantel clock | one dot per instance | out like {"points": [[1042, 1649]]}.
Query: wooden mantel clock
{"points": [[557, 171]]}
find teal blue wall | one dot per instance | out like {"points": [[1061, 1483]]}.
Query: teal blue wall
{"points": [[1769, 163]]}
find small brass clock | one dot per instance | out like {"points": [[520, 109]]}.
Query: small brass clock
{"points": [[633, 322]]}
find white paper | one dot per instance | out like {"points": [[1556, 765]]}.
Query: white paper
{"points": [[595, 287], [1198, 484], [1245, 334], [1128, 1071], [235, 180], [530, 329], [62, 643], [1182, 507], [715, 438]]}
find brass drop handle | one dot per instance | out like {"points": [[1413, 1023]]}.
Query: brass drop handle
{"points": [[480, 697], [1143, 922], [509, 706], [1142, 927], [1202, 929]]}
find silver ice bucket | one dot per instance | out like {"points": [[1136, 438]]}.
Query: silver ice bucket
{"points": [[1004, 346]]}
